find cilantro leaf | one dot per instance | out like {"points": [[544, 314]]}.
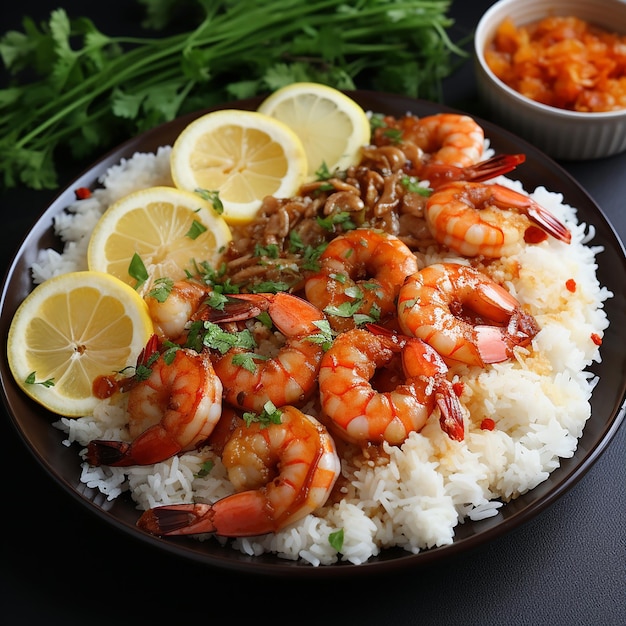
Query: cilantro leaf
{"points": [[86, 90], [137, 270], [335, 539], [31, 380], [269, 415], [162, 287]]}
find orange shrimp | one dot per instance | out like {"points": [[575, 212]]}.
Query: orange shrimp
{"points": [[171, 312], [360, 413], [450, 147], [281, 472], [173, 410], [360, 274], [438, 174], [490, 220], [463, 314], [447, 138], [251, 379]]}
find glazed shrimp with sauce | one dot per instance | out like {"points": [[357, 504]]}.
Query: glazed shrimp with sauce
{"points": [[173, 410], [281, 472], [488, 219], [361, 413], [360, 273], [288, 376], [171, 314], [447, 139], [450, 148], [463, 314]]}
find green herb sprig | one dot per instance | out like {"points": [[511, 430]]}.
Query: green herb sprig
{"points": [[85, 89]]}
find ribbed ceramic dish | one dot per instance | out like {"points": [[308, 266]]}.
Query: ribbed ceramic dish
{"points": [[562, 134]]}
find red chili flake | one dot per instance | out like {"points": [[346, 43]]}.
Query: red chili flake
{"points": [[596, 339], [487, 424], [534, 234], [570, 284], [458, 389], [82, 193]]}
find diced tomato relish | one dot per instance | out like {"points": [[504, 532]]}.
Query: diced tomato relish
{"points": [[563, 62]]}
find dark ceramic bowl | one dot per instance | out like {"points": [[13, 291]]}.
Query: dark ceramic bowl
{"points": [[62, 464]]}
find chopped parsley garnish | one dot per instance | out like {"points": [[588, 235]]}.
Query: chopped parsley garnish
{"points": [[214, 198], [269, 415], [324, 337], [137, 270], [31, 380], [335, 539], [323, 173], [247, 360], [196, 229], [410, 183], [271, 251], [341, 218], [205, 468], [210, 335], [161, 289]]}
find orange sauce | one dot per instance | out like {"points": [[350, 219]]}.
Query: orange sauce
{"points": [[104, 387], [563, 62]]}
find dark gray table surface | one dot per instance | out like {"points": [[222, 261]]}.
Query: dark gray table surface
{"points": [[62, 565]]}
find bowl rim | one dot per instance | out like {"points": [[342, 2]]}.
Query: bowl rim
{"points": [[479, 43]]}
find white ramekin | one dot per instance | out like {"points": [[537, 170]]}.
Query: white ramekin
{"points": [[562, 134]]}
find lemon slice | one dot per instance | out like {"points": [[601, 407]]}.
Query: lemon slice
{"points": [[71, 329], [243, 155], [332, 127], [169, 229]]}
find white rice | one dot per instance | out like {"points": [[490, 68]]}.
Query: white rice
{"points": [[430, 484]]}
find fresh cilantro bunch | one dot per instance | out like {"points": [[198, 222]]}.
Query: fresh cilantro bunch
{"points": [[77, 90]]}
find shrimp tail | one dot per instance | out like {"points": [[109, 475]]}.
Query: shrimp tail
{"points": [[234, 310], [152, 446], [548, 222], [440, 173], [393, 339], [495, 166], [506, 198], [496, 344], [492, 347], [100, 452], [451, 415], [287, 311], [522, 328], [241, 514], [178, 519], [152, 346]]}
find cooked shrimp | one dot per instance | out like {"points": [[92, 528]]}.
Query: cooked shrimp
{"points": [[282, 472], [361, 413], [288, 377], [438, 174], [463, 314], [491, 220], [447, 138], [443, 147], [171, 312], [360, 274], [173, 410]]}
